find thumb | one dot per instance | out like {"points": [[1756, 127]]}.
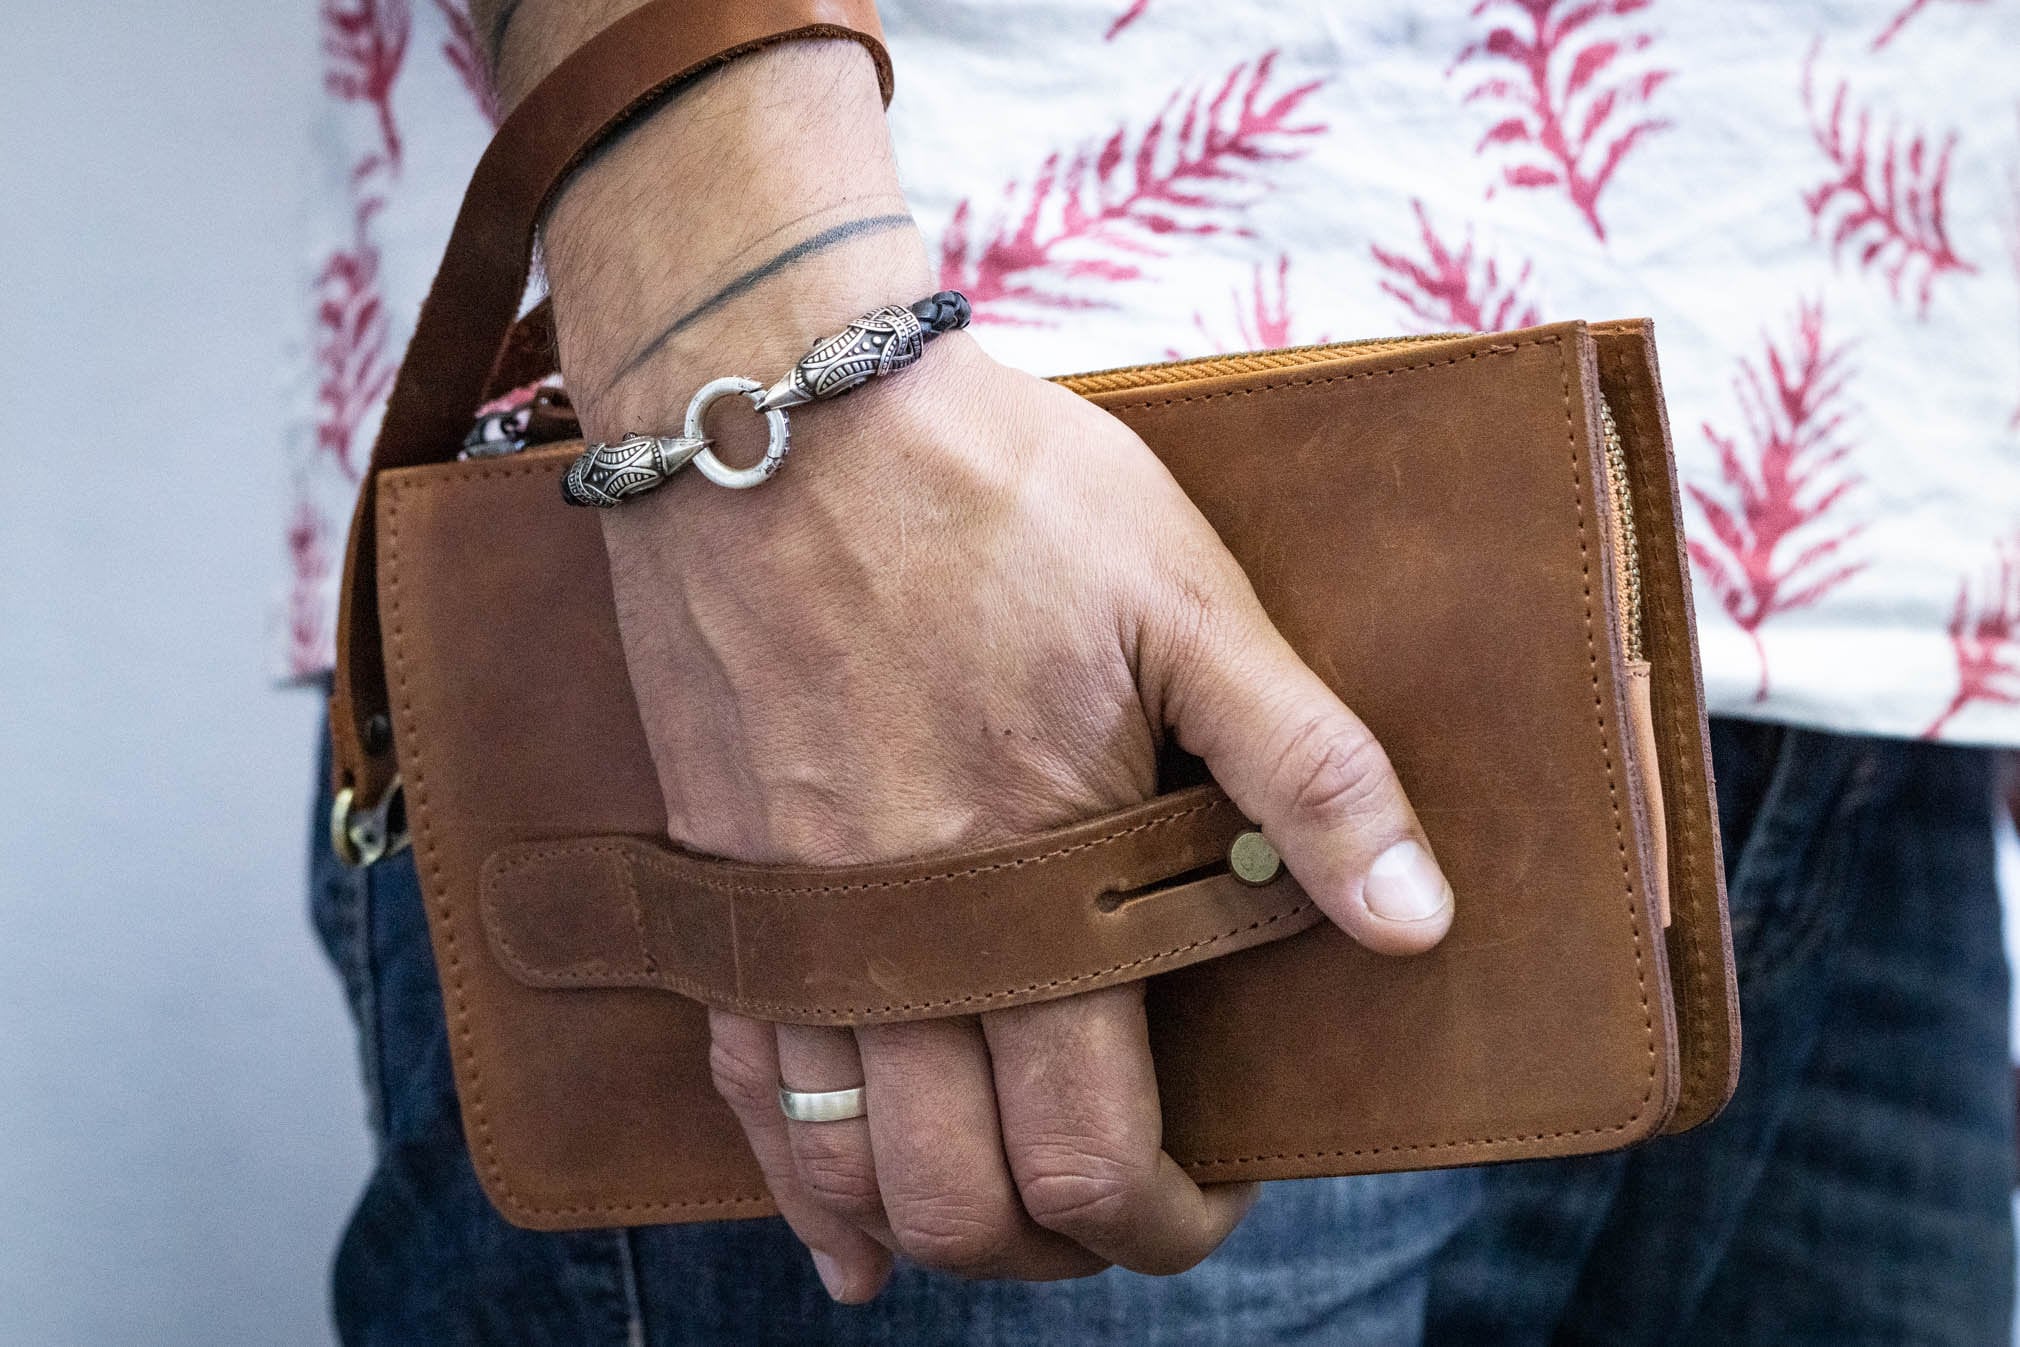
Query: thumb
{"points": [[1304, 767]]}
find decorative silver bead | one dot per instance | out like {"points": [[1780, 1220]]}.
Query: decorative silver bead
{"points": [[880, 342], [607, 474]]}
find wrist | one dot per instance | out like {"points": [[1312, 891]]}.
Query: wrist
{"points": [[724, 235], [758, 335]]}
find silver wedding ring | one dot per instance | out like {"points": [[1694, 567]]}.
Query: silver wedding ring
{"points": [[822, 1105]]}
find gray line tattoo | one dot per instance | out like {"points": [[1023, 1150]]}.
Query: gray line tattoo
{"points": [[832, 236]]}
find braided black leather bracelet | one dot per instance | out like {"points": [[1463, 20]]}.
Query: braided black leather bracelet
{"points": [[882, 341]]}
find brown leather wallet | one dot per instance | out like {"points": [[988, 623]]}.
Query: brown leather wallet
{"points": [[1474, 540]]}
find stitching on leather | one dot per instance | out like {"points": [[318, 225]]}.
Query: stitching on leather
{"points": [[763, 1206], [645, 956], [532, 469], [1283, 385], [677, 866], [427, 848], [1191, 1165], [702, 991], [578, 971], [413, 772], [1566, 356], [1701, 996]]}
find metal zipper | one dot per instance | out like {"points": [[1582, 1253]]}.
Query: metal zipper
{"points": [[1125, 377], [1620, 518]]}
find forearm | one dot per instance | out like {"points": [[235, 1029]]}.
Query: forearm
{"points": [[756, 210], [524, 39], [753, 210]]}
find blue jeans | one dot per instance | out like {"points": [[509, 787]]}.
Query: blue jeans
{"points": [[1856, 1190]]}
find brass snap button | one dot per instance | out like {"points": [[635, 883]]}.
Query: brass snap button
{"points": [[1253, 859]]}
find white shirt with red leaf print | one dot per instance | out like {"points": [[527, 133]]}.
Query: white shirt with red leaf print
{"points": [[1818, 203]]}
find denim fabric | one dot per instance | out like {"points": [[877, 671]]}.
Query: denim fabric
{"points": [[1858, 1187], [1855, 1191]]}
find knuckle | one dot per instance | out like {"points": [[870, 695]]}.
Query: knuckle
{"points": [[745, 1084], [1208, 608], [1332, 771], [953, 1232], [1195, 611], [839, 1177], [1085, 1188]]}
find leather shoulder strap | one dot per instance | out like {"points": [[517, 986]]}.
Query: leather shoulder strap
{"points": [[588, 99], [461, 334]]}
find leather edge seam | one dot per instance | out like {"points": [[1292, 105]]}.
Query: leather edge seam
{"points": [[1698, 1068], [428, 857]]}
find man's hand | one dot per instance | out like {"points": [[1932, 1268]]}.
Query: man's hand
{"points": [[970, 623], [970, 608]]}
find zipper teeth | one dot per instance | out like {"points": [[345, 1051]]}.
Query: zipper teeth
{"points": [[1247, 362], [1626, 558]]}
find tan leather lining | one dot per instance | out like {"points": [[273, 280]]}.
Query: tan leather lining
{"points": [[1707, 998], [1641, 716]]}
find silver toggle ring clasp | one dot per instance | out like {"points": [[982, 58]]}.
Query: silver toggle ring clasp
{"points": [[608, 474], [880, 342], [714, 468]]}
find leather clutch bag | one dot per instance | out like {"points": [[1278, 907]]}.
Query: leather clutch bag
{"points": [[1473, 539]]}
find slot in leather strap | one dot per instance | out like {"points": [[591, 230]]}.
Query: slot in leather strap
{"points": [[1082, 907], [462, 330]]}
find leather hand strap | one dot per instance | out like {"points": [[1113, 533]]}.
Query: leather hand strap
{"points": [[462, 330], [1090, 905]]}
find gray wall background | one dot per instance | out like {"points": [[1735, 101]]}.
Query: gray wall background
{"points": [[181, 1128]]}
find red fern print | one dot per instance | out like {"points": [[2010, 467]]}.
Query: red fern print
{"points": [[1091, 217], [2013, 249], [1128, 16], [1985, 633], [1453, 289], [1887, 198], [308, 609], [353, 367], [1795, 417], [1262, 320], [467, 58], [364, 42], [1900, 20], [1568, 128]]}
